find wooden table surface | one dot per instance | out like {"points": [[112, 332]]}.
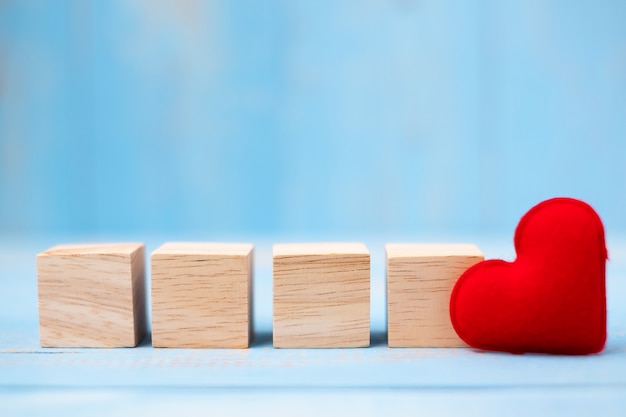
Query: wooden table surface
{"points": [[263, 380]]}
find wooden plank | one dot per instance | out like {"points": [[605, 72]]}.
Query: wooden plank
{"points": [[321, 295], [92, 295], [420, 278], [201, 295]]}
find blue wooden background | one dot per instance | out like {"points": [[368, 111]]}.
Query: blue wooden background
{"points": [[307, 116]]}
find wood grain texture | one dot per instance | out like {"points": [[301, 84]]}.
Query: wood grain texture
{"points": [[321, 295], [202, 295], [92, 295], [420, 279]]}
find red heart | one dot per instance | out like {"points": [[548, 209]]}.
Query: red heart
{"points": [[551, 299]]}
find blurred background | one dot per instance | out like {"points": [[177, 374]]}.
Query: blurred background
{"points": [[248, 117]]}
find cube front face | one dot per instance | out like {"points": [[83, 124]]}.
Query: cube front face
{"points": [[201, 295], [321, 296], [91, 295], [420, 279]]}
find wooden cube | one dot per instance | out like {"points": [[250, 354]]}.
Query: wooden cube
{"points": [[321, 295], [92, 295], [420, 279], [202, 295]]}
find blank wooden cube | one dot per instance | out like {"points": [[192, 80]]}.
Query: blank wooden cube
{"points": [[92, 295], [321, 295], [420, 279], [202, 295]]}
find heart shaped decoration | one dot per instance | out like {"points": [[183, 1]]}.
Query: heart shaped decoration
{"points": [[551, 299]]}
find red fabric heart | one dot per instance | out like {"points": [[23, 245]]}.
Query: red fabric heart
{"points": [[551, 299]]}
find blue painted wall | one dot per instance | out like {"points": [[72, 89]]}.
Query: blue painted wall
{"points": [[306, 116]]}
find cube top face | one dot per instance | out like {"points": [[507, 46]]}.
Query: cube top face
{"points": [[91, 295], [201, 295], [204, 249], [420, 279], [97, 250], [321, 295], [319, 249], [419, 250]]}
